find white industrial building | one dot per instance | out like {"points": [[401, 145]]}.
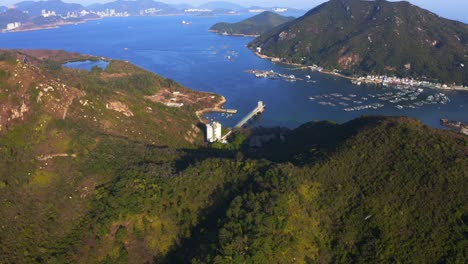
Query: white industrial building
{"points": [[213, 132]]}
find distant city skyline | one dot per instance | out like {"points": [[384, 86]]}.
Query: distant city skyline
{"points": [[453, 9]]}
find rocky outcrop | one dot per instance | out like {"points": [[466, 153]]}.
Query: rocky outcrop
{"points": [[119, 107]]}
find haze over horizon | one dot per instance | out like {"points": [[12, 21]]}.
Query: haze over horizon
{"points": [[452, 9]]}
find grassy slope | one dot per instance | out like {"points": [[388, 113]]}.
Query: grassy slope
{"points": [[42, 201]]}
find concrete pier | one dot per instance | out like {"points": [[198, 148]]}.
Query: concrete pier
{"points": [[259, 109], [221, 110]]}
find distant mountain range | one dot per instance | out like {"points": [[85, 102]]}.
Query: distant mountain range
{"points": [[255, 25], [29, 15], [135, 7], [36, 14], [379, 37], [277, 9], [12, 15], [222, 5], [34, 8]]}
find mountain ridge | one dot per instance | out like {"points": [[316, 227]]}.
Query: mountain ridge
{"points": [[376, 37], [134, 7], [221, 5], [35, 8]]}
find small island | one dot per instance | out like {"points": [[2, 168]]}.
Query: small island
{"points": [[253, 26]]}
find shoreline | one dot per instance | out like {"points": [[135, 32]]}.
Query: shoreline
{"points": [[200, 113], [58, 25], [278, 60], [232, 34], [49, 26]]}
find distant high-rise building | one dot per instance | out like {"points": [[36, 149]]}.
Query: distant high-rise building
{"points": [[11, 26]]}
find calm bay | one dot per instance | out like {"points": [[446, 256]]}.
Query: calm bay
{"points": [[205, 61]]}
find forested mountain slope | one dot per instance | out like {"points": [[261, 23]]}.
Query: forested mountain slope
{"points": [[84, 179]]}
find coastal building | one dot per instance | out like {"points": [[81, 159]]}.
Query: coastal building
{"points": [[174, 104], [11, 26], [112, 13], [280, 10], [46, 13], [197, 10], [151, 10], [256, 10], [213, 132], [84, 13]]}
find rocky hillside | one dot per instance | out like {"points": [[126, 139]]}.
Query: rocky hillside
{"points": [[121, 100], [360, 37], [54, 120], [253, 26]]}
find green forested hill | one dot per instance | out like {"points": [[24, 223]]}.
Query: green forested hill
{"points": [[375, 189], [252, 26], [380, 37]]}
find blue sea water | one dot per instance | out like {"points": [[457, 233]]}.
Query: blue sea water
{"points": [[198, 59]]}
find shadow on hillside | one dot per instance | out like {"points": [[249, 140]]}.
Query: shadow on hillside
{"points": [[194, 156], [307, 144], [202, 237], [205, 232]]}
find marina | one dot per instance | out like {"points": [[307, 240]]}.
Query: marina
{"points": [[275, 75], [410, 98]]}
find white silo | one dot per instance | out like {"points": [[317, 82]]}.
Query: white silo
{"points": [[217, 130], [209, 133]]}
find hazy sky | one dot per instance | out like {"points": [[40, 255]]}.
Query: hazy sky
{"points": [[454, 9]]}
